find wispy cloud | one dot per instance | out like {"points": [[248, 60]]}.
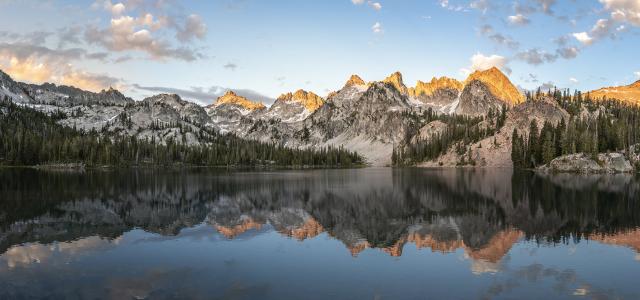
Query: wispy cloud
{"points": [[206, 95]]}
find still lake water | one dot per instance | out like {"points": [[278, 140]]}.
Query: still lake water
{"points": [[322, 234]]}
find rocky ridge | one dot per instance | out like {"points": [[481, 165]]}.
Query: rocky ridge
{"points": [[629, 93]]}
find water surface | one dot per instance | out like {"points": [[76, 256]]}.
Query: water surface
{"points": [[339, 234]]}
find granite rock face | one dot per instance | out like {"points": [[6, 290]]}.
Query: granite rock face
{"points": [[582, 163]]}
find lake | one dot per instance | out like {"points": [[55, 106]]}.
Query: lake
{"points": [[318, 234]]}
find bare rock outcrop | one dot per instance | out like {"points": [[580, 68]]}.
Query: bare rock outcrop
{"points": [[582, 163]]}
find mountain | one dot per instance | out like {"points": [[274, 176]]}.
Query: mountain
{"points": [[58, 95], [364, 118], [628, 93], [230, 98], [439, 92], [294, 107], [355, 80], [371, 118], [487, 90], [495, 150], [231, 112], [499, 85], [395, 79]]}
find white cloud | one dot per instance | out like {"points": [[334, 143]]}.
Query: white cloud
{"points": [[375, 5], [357, 2], [601, 29], [446, 5], [518, 19], [117, 9], [377, 28], [637, 73], [624, 10], [127, 33], [583, 38], [480, 62], [573, 80]]}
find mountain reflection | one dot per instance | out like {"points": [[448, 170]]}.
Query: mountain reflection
{"points": [[481, 212]]}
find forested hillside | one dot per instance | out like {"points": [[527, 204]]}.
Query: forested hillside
{"points": [[29, 137], [594, 126]]}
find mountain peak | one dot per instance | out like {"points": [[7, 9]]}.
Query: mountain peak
{"points": [[499, 85], [309, 100], [354, 80], [429, 88], [231, 97], [395, 79]]}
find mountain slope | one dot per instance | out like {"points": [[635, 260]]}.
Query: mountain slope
{"points": [[438, 92], [294, 107], [629, 93], [487, 90]]}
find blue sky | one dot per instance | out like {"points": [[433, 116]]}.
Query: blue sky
{"points": [[200, 48]]}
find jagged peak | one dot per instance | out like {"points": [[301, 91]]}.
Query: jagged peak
{"points": [[499, 85], [231, 97], [354, 80], [395, 79], [309, 100], [429, 88]]}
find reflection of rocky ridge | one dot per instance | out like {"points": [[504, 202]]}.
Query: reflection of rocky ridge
{"points": [[482, 212]]}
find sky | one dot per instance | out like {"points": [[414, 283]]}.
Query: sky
{"points": [[201, 48]]}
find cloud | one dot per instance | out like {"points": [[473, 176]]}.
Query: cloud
{"points": [[623, 10], [547, 86], [194, 27], [583, 38], [230, 66], [536, 56], [206, 95], [69, 35], [147, 32], [568, 52], [446, 5], [498, 38], [46, 69], [518, 19], [134, 34], [480, 62], [573, 80], [601, 29], [377, 28], [504, 40], [375, 5], [546, 5], [38, 64], [637, 74]]}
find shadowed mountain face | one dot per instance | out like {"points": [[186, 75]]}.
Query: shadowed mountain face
{"points": [[481, 211]]}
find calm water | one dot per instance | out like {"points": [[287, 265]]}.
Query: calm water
{"points": [[337, 234]]}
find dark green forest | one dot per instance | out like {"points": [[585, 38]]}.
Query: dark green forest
{"points": [[29, 137], [616, 128], [459, 132]]}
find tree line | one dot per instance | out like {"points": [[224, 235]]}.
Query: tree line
{"points": [[29, 137], [594, 126], [459, 132]]}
